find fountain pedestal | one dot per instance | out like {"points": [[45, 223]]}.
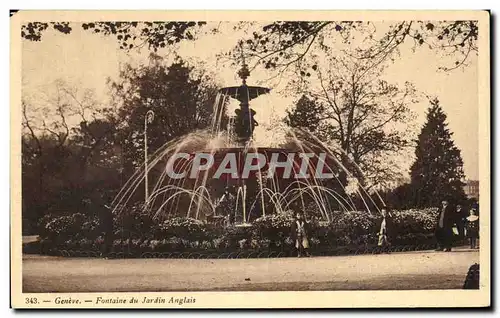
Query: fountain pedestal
{"points": [[244, 122]]}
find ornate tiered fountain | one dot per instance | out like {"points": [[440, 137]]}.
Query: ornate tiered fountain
{"points": [[242, 127], [187, 177], [245, 122]]}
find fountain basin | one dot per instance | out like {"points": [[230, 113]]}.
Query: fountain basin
{"points": [[244, 92]]}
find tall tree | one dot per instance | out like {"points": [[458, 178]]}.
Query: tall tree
{"points": [[68, 156], [437, 172], [181, 98], [76, 152], [359, 112]]}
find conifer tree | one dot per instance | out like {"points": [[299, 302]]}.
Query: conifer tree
{"points": [[437, 172]]}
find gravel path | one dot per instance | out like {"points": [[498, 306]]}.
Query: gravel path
{"points": [[412, 270]]}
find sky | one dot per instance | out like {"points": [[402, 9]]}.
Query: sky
{"points": [[87, 60]]}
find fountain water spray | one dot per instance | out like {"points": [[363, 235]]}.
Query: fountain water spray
{"points": [[189, 172]]}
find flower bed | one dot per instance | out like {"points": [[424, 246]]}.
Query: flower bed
{"points": [[347, 233]]}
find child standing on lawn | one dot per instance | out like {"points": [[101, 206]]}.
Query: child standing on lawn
{"points": [[299, 236], [472, 226]]}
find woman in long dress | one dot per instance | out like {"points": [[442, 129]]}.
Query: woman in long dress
{"points": [[299, 236]]}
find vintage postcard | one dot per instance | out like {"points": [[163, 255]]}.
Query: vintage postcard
{"points": [[250, 159]]}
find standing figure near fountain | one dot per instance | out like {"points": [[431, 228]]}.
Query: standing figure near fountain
{"points": [[226, 206], [472, 228], [444, 231], [106, 226], [385, 229], [299, 236]]}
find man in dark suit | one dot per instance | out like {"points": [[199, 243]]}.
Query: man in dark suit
{"points": [[444, 226]]}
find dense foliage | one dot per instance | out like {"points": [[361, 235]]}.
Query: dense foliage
{"points": [[131, 34], [281, 45], [77, 153], [271, 232], [70, 172]]}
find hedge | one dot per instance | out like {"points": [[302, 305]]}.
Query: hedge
{"points": [[138, 234]]}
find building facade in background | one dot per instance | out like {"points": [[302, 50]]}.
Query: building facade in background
{"points": [[471, 189]]}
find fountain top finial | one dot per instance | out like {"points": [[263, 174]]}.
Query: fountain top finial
{"points": [[244, 93], [244, 72]]}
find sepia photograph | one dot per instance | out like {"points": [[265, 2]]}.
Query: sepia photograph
{"points": [[179, 158]]}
